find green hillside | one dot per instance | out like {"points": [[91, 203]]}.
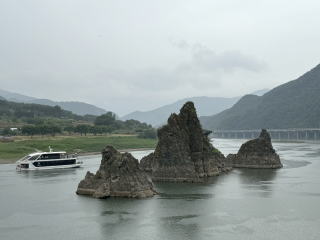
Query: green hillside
{"points": [[79, 108], [292, 105], [22, 111]]}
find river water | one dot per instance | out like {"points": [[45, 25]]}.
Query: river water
{"points": [[243, 204]]}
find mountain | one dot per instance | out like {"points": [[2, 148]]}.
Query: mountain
{"points": [[79, 108], [291, 105], [2, 98], [14, 110], [15, 97], [260, 92], [205, 106]]}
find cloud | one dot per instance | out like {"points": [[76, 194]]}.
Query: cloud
{"points": [[203, 69], [182, 44], [205, 59]]}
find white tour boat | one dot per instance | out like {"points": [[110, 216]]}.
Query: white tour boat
{"points": [[48, 160]]}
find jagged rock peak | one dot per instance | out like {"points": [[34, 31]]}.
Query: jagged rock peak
{"points": [[119, 175], [265, 135], [256, 153], [183, 152]]}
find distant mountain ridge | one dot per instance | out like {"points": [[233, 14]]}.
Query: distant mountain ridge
{"points": [[294, 104], [10, 110], [205, 106], [79, 108]]}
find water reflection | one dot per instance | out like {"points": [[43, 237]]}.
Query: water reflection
{"points": [[48, 173], [294, 164], [177, 228], [170, 219], [185, 191], [258, 181]]}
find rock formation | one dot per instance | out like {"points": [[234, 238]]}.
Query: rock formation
{"points": [[256, 153], [119, 175], [183, 152]]}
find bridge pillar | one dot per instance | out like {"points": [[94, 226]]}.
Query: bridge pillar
{"points": [[306, 137]]}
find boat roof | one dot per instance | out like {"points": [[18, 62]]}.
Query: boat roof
{"points": [[38, 153]]}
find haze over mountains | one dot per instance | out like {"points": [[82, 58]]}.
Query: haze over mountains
{"points": [[294, 104], [79, 108], [205, 106]]}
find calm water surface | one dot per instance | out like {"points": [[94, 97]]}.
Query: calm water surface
{"points": [[244, 204]]}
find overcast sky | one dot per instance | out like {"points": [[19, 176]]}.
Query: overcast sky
{"points": [[126, 55]]}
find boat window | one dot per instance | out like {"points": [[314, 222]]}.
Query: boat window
{"points": [[54, 163], [34, 157], [50, 156], [25, 158]]}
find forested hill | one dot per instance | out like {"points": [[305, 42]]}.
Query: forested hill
{"points": [[79, 108], [292, 105], [33, 119], [14, 110]]}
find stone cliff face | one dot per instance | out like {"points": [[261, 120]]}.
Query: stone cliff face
{"points": [[183, 152], [256, 153], [119, 175]]}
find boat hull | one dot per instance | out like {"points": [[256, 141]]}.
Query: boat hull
{"points": [[19, 168]]}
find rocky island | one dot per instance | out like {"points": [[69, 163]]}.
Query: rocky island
{"points": [[119, 175], [256, 153], [184, 152]]}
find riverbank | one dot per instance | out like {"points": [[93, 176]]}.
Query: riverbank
{"points": [[83, 145]]}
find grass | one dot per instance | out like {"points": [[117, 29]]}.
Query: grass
{"points": [[12, 151]]}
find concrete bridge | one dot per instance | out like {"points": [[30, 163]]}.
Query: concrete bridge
{"points": [[311, 134]]}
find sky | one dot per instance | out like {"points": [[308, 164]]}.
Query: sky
{"points": [[126, 55]]}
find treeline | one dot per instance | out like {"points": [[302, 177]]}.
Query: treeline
{"points": [[13, 110], [104, 124], [107, 123], [31, 113]]}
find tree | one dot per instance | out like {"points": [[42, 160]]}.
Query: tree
{"points": [[94, 130], [82, 129], [7, 132], [106, 119], [53, 129], [70, 129], [29, 130]]}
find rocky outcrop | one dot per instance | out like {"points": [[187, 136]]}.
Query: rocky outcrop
{"points": [[119, 175], [184, 152], [256, 153]]}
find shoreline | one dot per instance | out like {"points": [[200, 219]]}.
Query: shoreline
{"points": [[83, 154]]}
